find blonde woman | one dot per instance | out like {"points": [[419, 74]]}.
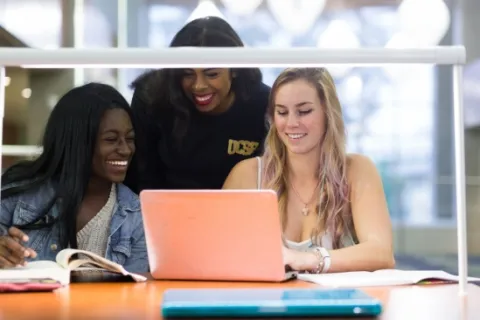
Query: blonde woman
{"points": [[332, 205]]}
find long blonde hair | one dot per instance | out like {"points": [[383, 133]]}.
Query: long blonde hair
{"points": [[333, 207]]}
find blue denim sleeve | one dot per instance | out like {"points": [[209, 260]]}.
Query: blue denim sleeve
{"points": [[138, 260], [6, 215]]}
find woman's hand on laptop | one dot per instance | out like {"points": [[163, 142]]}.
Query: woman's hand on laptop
{"points": [[299, 260], [12, 252], [292, 258]]}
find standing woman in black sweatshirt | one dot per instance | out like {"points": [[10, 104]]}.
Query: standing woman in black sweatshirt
{"points": [[194, 125]]}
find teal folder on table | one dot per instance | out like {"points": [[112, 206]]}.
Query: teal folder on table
{"points": [[181, 303]]}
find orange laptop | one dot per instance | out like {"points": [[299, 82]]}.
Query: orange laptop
{"points": [[230, 235]]}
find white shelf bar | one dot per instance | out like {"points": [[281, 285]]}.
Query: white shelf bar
{"points": [[20, 150], [225, 57]]}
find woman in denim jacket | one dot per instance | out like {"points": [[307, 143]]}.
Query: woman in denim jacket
{"points": [[72, 194]]}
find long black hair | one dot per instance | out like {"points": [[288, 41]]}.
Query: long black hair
{"points": [[66, 160], [161, 89]]}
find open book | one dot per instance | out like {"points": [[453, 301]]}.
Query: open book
{"points": [[59, 271], [385, 277]]}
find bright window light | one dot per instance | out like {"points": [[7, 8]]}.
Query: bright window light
{"points": [[27, 93], [205, 8], [296, 16], [242, 7], [422, 31]]}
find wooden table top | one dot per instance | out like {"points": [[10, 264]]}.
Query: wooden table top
{"points": [[128, 300]]}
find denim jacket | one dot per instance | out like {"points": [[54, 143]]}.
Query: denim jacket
{"points": [[126, 242]]}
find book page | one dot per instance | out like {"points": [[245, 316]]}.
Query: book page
{"points": [[37, 271], [358, 279], [90, 259], [85, 265], [417, 276], [41, 264], [386, 277], [64, 256], [64, 259]]}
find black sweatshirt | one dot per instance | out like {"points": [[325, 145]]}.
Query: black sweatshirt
{"points": [[211, 147]]}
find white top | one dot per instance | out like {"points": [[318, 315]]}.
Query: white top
{"points": [[93, 236], [325, 240]]}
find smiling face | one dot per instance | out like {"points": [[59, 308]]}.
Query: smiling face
{"points": [[299, 117], [114, 147], [209, 89]]}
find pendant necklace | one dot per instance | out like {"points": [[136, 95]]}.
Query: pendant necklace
{"points": [[305, 210]]}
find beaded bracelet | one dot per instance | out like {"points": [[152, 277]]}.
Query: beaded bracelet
{"points": [[321, 260]]}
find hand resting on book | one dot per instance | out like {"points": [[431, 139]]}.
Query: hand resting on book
{"points": [[12, 252]]}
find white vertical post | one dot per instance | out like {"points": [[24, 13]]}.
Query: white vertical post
{"points": [[2, 113], [78, 38], [122, 40], [460, 181]]}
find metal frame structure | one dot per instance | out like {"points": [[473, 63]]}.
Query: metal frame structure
{"points": [[259, 57]]}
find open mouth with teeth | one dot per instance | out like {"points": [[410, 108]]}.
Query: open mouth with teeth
{"points": [[296, 136], [116, 169], [118, 164], [203, 100]]}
